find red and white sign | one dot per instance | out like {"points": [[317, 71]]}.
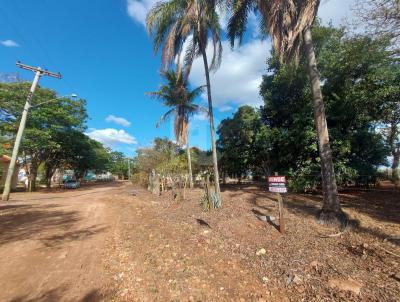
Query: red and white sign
{"points": [[276, 179], [277, 184]]}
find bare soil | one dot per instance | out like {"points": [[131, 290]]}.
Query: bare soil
{"points": [[117, 242]]}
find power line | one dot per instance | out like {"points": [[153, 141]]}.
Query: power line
{"points": [[39, 72]]}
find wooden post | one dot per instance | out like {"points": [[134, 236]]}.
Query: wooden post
{"points": [[281, 220]]}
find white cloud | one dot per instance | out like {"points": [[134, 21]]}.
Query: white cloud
{"points": [[336, 11], [138, 9], [202, 116], [118, 120], [9, 43], [237, 81], [111, 137]]}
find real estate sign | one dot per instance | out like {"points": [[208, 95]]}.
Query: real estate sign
{"points": [[277, 184]]}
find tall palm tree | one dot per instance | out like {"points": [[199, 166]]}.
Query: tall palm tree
{"points": [[289, 22], [187, 26], [176, 95]]}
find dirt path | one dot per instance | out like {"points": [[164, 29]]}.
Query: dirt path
{"points": [[116, 242], [158, 256], [51, 245]]}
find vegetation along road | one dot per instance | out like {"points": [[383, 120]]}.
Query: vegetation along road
{"points": [[118, 242]]}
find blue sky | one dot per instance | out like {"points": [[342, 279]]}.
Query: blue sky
{"points": [[105, 56]]}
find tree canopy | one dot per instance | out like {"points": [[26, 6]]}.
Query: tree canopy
{"points": [[359, 87]]}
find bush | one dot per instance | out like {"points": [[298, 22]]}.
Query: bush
{"points": [[141, 178]]}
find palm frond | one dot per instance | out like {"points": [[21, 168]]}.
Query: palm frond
{"points": [[284, 20], [237, 22], [166, 116]]}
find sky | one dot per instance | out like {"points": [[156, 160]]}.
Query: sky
{"points": [[105, 56]]}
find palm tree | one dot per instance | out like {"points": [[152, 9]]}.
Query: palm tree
{"points": [[179, 26], [175, 94], [289, 22]]}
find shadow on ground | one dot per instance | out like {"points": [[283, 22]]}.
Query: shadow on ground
{"points": [[59, 293], [22, 222], [379, 205]]}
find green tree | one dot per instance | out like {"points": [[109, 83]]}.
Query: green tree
{"points": [[289, 24], [175, 22], [164, 157], [380, 18], [176, 95], [118, 164], [388, 94], [238, 139], [44, 125], [349, 69]]}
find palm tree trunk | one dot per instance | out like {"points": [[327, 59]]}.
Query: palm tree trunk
{"points": [[331, 213], [212, 129], [189, 165]]}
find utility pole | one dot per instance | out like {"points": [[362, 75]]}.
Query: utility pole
{"points": [[38, 73]]}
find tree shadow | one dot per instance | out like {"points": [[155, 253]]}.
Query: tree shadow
{"points": [[82, 234], [378, 205], [383, 205], [57, 294], [29, 221]]}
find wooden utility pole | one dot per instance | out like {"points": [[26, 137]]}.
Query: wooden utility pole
{"points": [[38, 73]]}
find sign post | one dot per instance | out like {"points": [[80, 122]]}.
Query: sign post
{"points": [[277, 184]]}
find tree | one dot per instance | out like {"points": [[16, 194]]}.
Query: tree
{"points": [[289, 23], [164, 157], [355, 88], [238, 139], [118, 164], [178, 22], [380, 18], [176, 95], [388, 93], [46, 125], [78, 152]]}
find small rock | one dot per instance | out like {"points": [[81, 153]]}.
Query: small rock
{"points": [[206, 231], [346, 285], [63, 255], [261, 252], [314, 264], [296, 279], [221, 288], [265, 279], [124, 292], [397, 276]]}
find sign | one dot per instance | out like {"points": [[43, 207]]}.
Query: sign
{"points": [[277, 184]]}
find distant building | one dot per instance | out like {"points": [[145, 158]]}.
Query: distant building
{"points": [[5, 162]]}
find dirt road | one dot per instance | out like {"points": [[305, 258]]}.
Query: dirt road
{"points": [[117, 242], [51, 245]]}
